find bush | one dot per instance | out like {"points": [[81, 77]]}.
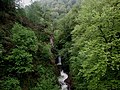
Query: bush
{"points": [[9, 83]]}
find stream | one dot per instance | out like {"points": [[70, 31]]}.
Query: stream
{"points": [[63, 76]]}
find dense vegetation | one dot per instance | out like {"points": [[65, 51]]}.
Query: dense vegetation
{"points": [[86, 35], [24, 50], [90, 36]]}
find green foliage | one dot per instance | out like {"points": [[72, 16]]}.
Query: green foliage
{"points": [[63, 33], [45, 51], [28, 55], [58, 8], [21, 59], [88, 38], [36, 13], [10, 83], [25, 43], [95, 51], [47, 79], [24, 38], [23, 54]]}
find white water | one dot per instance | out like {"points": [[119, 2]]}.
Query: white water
{"points": [[61, 79], [64, 87], [59, 61], [63, 76]]}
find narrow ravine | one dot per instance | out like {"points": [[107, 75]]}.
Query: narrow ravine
{"points": [[63, 76]]}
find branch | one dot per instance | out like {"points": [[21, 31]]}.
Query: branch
{"points": [[99, 27]]}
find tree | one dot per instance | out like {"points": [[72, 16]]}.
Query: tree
{"points": [[25, 42], [93, 57]]}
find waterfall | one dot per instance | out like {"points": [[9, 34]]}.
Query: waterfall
{"points": [[61, 79], [59, 61], [63, 76]]}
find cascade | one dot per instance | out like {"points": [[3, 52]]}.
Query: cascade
{"points": [[59, 61], [61, 79], [63, 76]]}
